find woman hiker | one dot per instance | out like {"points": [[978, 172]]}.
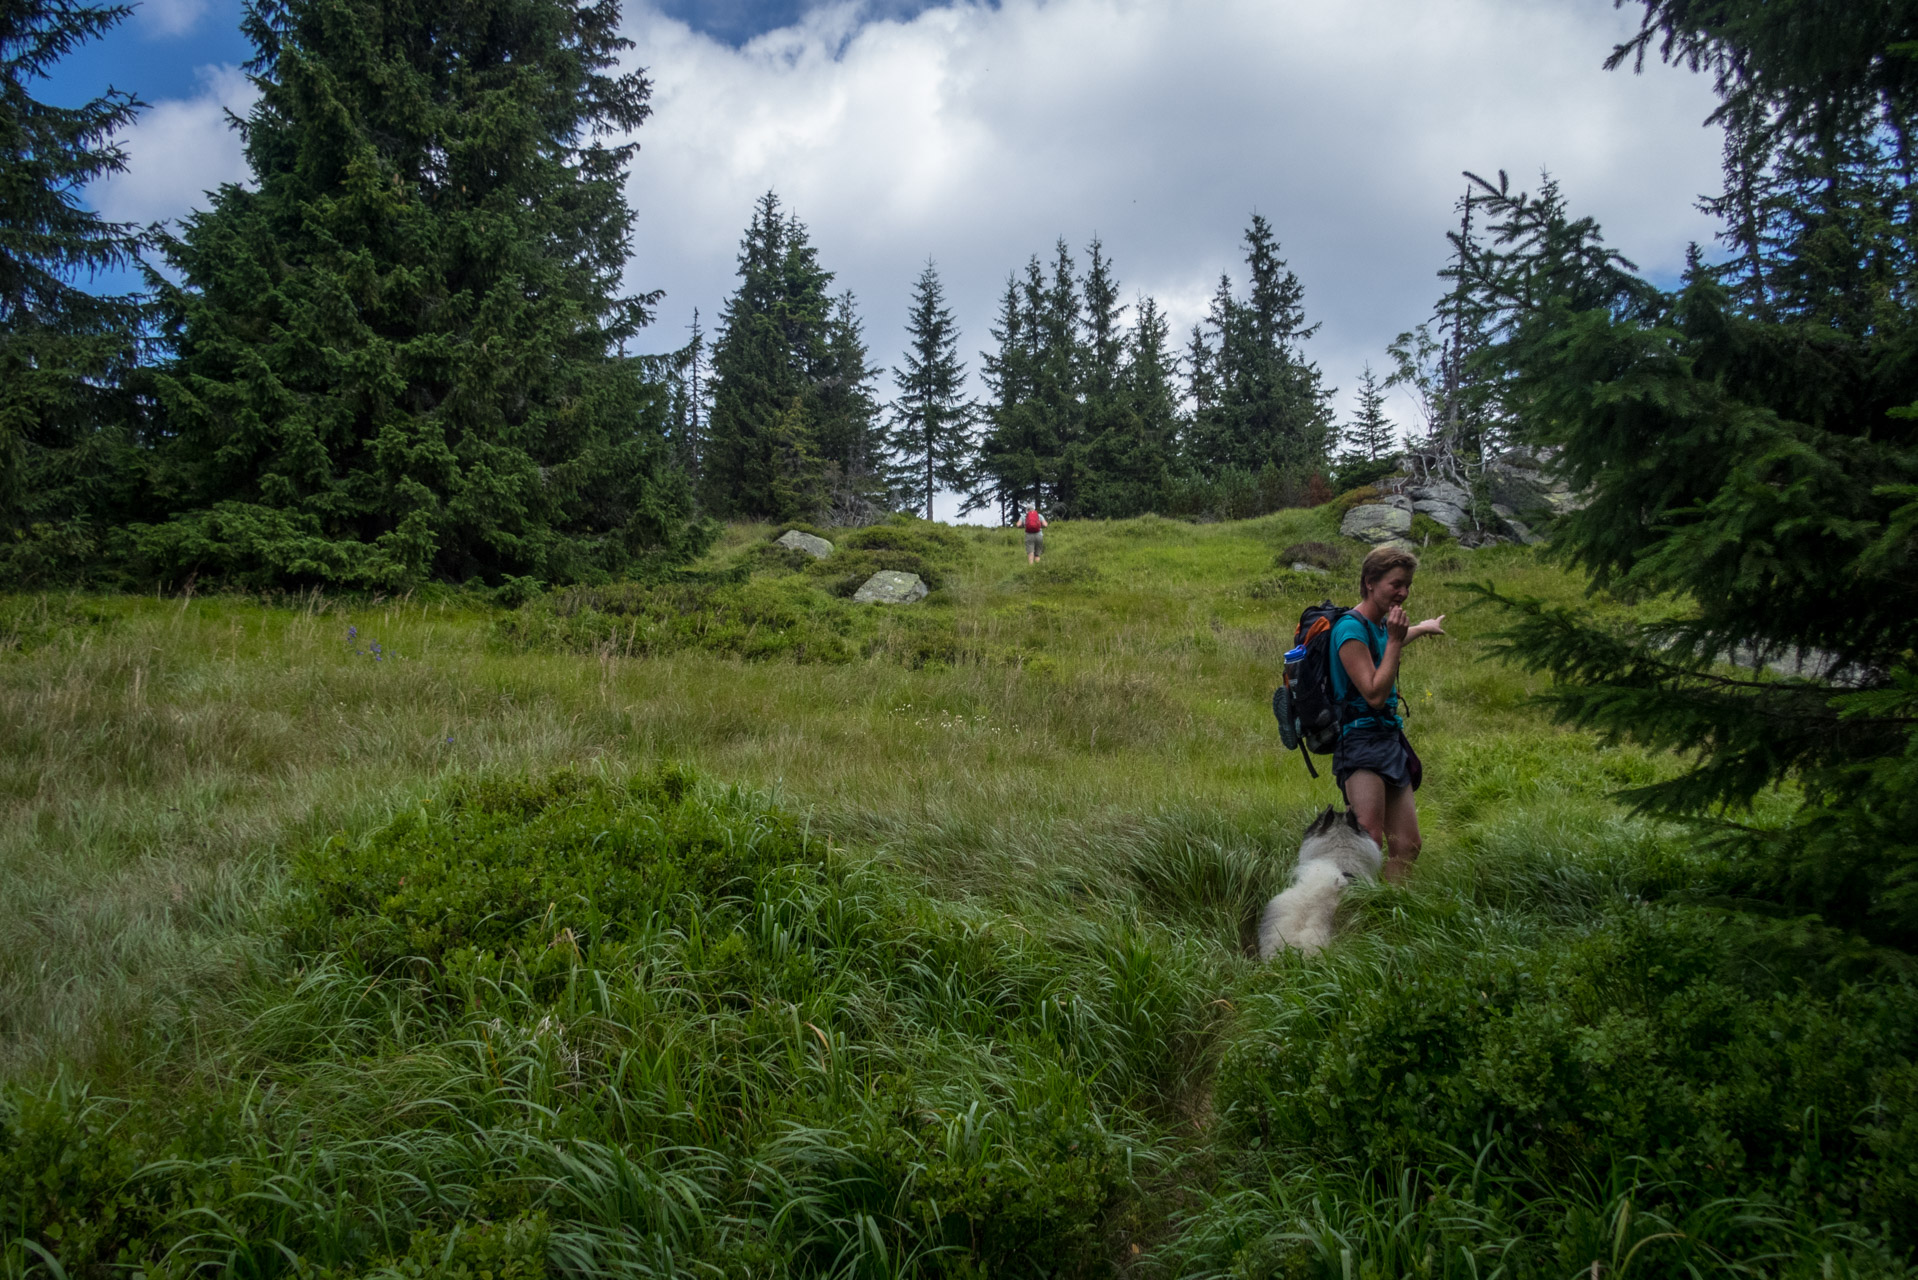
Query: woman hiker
{"points": [[1035, 525], [1376, 768]]}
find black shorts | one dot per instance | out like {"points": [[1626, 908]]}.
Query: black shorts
{"points": [[1380, 749]]}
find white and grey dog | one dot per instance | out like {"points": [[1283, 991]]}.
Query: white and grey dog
{"points": [[1335, 852]]}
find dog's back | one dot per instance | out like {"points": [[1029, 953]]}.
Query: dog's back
{"points": [[1303, 915]]}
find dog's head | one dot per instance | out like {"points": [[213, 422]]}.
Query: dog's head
{"points": [[1337, 837], [1330, 819]]}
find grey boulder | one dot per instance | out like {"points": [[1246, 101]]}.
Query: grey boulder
{"points": [[1444, 502], [1514, 526], [1527, 481], [891, 586], [1376, 522], [1440, 491], [794, 540]]}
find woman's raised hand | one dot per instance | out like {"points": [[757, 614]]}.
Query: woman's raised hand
{"points": [[1395, 625]]}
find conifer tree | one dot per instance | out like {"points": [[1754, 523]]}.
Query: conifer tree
{"points": [[1102, 455], [1749, 448], [1036, 417], [66, 455], [931, 421], [397, 358], [1058, 321], [1202, 386], [686, 377], [791, 387], [847, 430], [1370, 434], [1268, 407], [1008, 468], [1136, 463]]}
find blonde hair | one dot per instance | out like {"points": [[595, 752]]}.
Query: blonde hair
{"points": [[1381, 561]]}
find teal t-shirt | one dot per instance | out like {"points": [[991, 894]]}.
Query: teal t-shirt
{"points": [[1353, 709]]}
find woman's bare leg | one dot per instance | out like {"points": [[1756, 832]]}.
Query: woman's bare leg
{"points": [[1389, 815], [1401, 832], [1365, 796]]}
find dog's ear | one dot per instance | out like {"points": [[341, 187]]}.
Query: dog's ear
{"points": [[1352, 820], [1322, 823]]}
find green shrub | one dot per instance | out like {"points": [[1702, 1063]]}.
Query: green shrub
{"points": [[1668, 1040], [1428, 532], [1320, 555], [29, 622], [771, 604], [564, 861], [1356, 472], [767, 618]]}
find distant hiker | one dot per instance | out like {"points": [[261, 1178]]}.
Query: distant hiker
{"points": [[1375, 766], [1035, 526]]}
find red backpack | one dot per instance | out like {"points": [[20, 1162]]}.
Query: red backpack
{"points": [[1033, 522]]}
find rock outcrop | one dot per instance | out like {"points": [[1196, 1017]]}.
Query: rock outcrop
{"points": [[891, 586], [1377, 522], [794, 540], [1517, 528], [1524, 481], [1444, 502]]}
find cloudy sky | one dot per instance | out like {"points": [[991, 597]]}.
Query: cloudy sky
{"points": [[978, 134]]}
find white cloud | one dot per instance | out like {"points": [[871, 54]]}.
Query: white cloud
{"points": [[978, 134], [179, 149], [170, 17]]}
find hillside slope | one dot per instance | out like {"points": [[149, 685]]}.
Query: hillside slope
{"points": [[724, 926]]}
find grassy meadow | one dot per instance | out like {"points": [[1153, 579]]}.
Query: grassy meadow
{"points": [[724, 927]]}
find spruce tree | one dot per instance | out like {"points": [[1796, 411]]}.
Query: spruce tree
{"points": [[1749, 442], [1138, 463], [847, 430], [1034, 420], [1268, 409], [686, 379], [931, 437], [1008, 469], [66, 446], [1058, 322], [397, 358], [791, 387], [1370, 434], [1102, 454]]}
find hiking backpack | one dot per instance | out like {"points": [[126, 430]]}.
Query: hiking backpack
{"points": [[1308, 713], [1033, 523]]}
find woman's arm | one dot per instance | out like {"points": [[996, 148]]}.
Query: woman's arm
{"points": [[1374, 681]]}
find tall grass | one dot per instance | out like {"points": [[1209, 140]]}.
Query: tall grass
{"points": [[983, 1004]]}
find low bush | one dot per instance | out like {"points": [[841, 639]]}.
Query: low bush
{"points": [[1320, 555], [1697, 1056], [29, 622], [634, 1028], [770, 604], [1428, 532], [1352, 472], [766, 618]]}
